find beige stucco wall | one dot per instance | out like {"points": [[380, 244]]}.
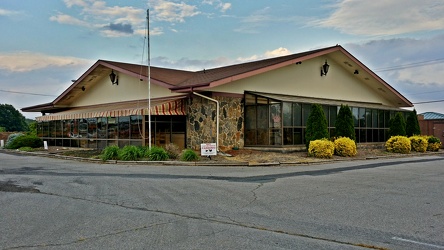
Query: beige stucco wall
{"points": [[129, 88], [305, 80]]}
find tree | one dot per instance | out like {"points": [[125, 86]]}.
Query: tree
{"points": [[412, 124], [397, 125], [316, 125], [11, 119], [344, 124]]}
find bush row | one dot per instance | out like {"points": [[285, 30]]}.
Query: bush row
{"points": [[325, 148], [135, 153], [345, 146], [403, 144]]}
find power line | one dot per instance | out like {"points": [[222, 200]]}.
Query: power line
{"points": [[410, 65], [25, 93], [428, 102]]}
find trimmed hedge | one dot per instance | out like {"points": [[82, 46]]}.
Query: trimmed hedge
{"points": [[20, 141], [345, 146], [434, 143], [419, 143], [398, 144], [321, 148]]}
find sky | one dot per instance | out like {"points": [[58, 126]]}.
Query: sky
{"points": [[45, 44]]}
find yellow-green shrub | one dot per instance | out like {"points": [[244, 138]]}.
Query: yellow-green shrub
{"points": [[419, 143], [321, 148], [398, 144], [345, 146], [434, 143]]}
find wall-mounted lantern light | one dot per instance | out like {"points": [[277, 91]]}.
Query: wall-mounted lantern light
{"points": [[113, 78], [356, 72], [83, 88], [324, 68]]}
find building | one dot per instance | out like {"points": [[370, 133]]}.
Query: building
{"points": [[432, 123], [261, 103]]}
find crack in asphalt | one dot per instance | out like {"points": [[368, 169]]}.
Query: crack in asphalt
{"points": [[83, 239], [251, 179], [230, 222]]}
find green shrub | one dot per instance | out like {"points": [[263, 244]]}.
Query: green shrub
{"points": [[189, 155], [130, 153], [12, 138], [316, 125], [25, 141], [434, 144], [412, 124], [321, 148], [397, 125], [110, 153], [172, 150], [158, 154], [344, 125], [345, 146], [26, 149], [398, 144], [419, 143]]}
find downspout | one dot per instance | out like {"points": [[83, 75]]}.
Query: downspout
{"points": [[217, 117]]}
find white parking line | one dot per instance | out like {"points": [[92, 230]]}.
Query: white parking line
{"points": [[419, 243]]}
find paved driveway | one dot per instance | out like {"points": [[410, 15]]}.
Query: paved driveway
{"points": [[60, 204]]}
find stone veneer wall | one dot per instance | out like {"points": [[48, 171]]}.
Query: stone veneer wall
{"points": [[201, 127]]}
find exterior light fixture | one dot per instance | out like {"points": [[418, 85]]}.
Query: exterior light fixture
{"points": [[83, 88], [356, 72], [113, 78], [324, 69]]}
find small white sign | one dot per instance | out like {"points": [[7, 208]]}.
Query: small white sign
{"points": [[208, 149]]}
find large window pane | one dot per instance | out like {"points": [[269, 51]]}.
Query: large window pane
{"points": [[124, 127], [250, 117], [92, 128], [287, 114], [262, 116], [83, 128], [136, 127], [362, 123], [275, 116], [374, 118], [101, 128], [297, 114], [355, 112], [288, 136], [112, 129]]}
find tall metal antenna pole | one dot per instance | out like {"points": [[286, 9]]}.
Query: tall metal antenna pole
{"points": [[149, 77]]}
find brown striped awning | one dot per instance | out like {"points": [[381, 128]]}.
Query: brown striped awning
{"points": [[169, 106]]}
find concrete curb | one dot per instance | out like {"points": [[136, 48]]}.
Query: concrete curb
{"points": [[215, 163]]}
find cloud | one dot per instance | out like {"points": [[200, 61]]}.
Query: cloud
{"points": [[66, 19], [416, 61], [376, 18], [173, 12], [9, 13], [194, 64], [120, 28], [117, 21], [252, 24], [223, 7], [28, 61]]}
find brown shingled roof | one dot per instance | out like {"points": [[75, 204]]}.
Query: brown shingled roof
{"points": [[205, 77]]}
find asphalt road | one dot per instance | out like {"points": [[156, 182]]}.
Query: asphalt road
{"points": [[50, 203]]}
